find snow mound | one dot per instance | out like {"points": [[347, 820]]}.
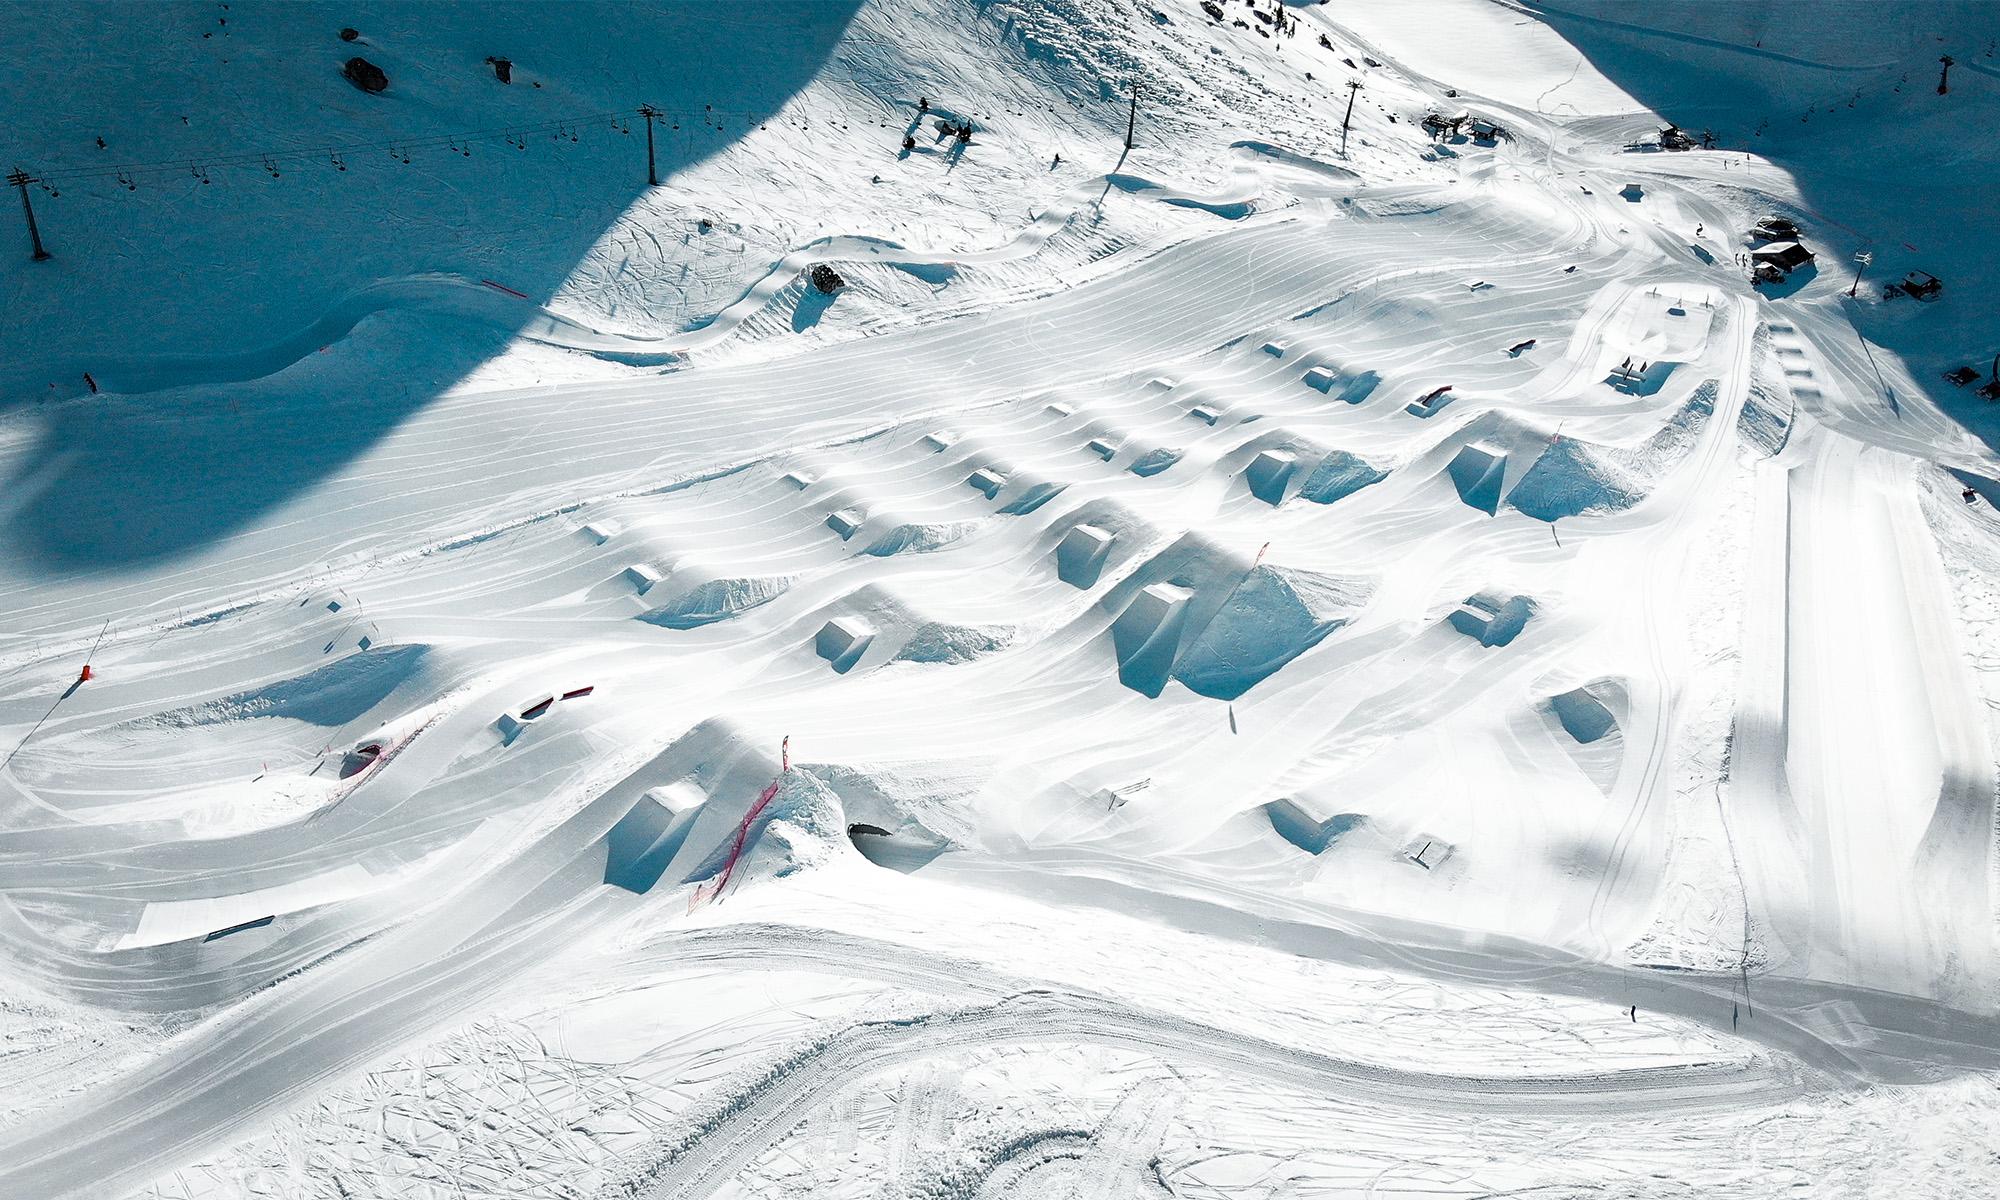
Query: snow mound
{"points": [[1275, 616], [1338, 476], [1587, 722], [803, 826], [717, 600], [936, 642], [232, 736], [1577, 478], [1199, 613], [331, 695], [919, 537]]}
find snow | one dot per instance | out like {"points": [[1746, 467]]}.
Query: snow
{"points": [[1144, 690]]}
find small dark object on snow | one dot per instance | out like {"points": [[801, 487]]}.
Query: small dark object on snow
{"points": [[350, 34], [1961, 377], [92, 382], [1433, 396], [1451, 92], [1517, 347], [923, 104], [965, 133], [1673, 137], [365, 75], [704, 225], [1371, 62], [1213, 9], [909, 143], [1969, 496], [503, 68], [1348, 61], [1990, 391], [1324, 42], [100, 143], [826, 279], [360, 759], [945, 128], [1570, 270]]}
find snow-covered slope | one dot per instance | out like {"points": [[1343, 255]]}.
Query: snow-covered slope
{"points": [[1197, 668]]}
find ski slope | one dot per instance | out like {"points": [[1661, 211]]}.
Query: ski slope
{"points": [[1257, 664]]}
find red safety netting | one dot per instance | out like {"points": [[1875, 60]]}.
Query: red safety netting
{"points": [[713, 890]]}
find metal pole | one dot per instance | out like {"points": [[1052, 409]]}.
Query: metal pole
{"points": [[21, 179], [652, 169], [1944, 75], [1132, 122], [1353, 90], [1861, 262]]}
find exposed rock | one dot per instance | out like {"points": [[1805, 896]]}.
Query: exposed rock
{"points": [[365, 75]]}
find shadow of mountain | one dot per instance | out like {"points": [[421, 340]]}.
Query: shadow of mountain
{"points": [[1842, 94], [222, 320]]}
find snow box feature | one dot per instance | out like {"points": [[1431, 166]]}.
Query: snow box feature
{"points": [[844, 522], [646, 838], [986, 480], [1352, 389], [1268, 473], [843, 640], [1147, 635], [642, 577], [1478, 471], [1583, 715], [1300, 826], [1491, 618], [1081, 554]]}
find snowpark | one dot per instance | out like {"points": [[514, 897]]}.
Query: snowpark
{"points": [[999, 632]]}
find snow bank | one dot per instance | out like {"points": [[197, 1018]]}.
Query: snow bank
{"points": [[717, 600], [1339, 475], [1199, 614], [1275, 615], [1572, 477]]}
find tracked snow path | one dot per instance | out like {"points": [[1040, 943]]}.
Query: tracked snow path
{"points": [[483, 457]]}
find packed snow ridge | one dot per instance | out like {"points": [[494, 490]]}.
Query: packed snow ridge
{"points": [[999, 598]]}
